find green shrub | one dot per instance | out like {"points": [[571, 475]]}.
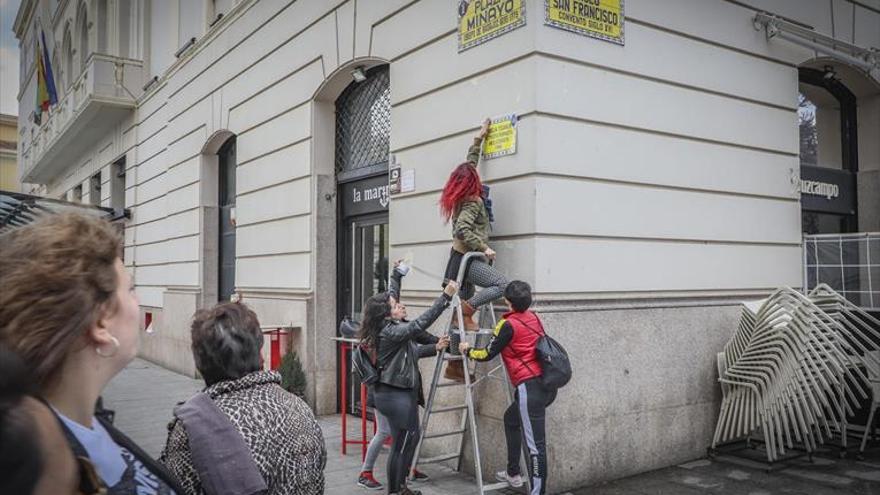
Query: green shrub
{"points": [[293, 378]]}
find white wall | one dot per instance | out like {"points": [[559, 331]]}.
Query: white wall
{"points": [[698, 149], [163, 35], [191, 20], [702, 152]]}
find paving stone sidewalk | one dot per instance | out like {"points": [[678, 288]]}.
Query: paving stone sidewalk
{"points": [[144, 394]]}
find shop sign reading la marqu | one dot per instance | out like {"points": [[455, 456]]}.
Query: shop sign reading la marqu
{"points": [[364, 196], [378, 193]]}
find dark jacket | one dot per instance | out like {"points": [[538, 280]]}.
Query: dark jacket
{"points": [[399, 349], [426, 342]]}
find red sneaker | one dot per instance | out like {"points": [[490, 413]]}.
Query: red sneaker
{"points": [[367, 481], [419, 476]]}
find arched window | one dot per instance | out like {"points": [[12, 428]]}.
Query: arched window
{"points": [[363, 123], [83, 33], [124, 23], [226, 201], [67, 53], [56, 70], [102, 26], [23, 60]]}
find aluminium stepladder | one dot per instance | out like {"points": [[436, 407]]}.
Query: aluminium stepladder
{"points": [[468, 410]]}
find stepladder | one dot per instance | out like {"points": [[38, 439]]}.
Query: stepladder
{"points": [[475, 375]]}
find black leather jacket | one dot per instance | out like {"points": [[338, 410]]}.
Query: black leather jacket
{"points": [[399, 349]]}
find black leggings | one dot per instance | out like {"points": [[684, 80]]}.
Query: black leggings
{"points": [[524, 419], [401, 407]]}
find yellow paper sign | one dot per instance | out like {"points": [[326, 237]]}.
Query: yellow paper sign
{"points": [[482, 20], [601, 19], [501, 140]]}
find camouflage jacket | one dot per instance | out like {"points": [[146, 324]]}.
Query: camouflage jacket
{"points": [[470, 223]]}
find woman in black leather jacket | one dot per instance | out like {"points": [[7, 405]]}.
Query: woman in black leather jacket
{"points": [[399, 345]]}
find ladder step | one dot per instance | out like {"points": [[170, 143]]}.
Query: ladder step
{"points": [[439, 458], [445, 434], [452, 357], [451, 383], [449, 408], [496, 486]]}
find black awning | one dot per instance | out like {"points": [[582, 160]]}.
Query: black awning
{"points": [[18, 209]]}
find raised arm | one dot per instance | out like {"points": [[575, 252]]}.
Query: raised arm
{"points": [[395, 281], [473, 155], [399, 332], [500, 338]]}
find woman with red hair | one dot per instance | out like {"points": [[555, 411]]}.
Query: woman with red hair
{"points": [[464, 203]]}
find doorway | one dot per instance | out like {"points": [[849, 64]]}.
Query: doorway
{"points": [[363, 133], [828, 153]]}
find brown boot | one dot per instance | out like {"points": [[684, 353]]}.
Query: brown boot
{"points": [[454, 371], [467, 313]]}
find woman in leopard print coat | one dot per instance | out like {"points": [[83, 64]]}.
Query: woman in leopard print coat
{"points": [[278, 427]]}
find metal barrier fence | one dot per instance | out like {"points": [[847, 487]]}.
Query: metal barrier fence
{"points": [[849, 263]]}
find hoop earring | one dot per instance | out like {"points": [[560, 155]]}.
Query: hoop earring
{"points": [[115, 348]]}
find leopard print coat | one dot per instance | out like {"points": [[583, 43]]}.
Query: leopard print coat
{"points": [[279, 427]]}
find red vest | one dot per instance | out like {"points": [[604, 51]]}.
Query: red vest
{"points": [[519, 354]]}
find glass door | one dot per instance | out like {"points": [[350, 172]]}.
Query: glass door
{"points": [[366, 246], [369, 262]]}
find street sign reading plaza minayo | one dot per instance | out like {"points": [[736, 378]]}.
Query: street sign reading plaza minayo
{"points": [[481, 20]]}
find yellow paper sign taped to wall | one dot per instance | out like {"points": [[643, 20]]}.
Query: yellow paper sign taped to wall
{"points": [[601, 19], [481, 20], [501, 140]]}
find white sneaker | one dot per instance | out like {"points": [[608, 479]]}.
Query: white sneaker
{"points": [[514, 481]]}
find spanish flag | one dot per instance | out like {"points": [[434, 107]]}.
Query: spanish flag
{"points": [[46, 94]]}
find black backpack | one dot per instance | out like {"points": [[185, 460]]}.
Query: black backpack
{"points": [[363, 365], [361, 362], [555, 365]]}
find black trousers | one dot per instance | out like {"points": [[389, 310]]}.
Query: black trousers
{"points": [[524, 420], [401, 407]]}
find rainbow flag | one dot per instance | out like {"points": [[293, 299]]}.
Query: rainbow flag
{"points": [[46, 94]]}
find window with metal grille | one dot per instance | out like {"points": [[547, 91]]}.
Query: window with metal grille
{"points": [[363, 122]]}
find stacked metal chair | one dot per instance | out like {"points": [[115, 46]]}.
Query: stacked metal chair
{"points": [[791, 373], [874, 380]]}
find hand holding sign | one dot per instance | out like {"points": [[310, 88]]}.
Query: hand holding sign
{"points": [[484, 129]]}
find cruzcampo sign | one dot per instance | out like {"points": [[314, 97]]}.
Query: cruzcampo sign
{"points": [[826, 190], [481, 20], [601, 19]]}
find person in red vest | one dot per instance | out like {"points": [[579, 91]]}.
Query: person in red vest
{"points": [[515, 338]]}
